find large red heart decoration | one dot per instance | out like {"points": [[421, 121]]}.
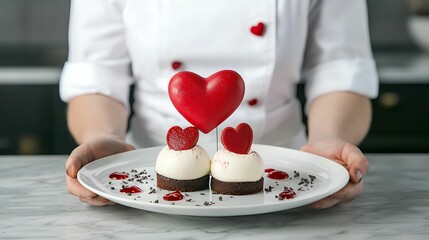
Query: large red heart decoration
{"points": [[238, 140], [206, 102], [182, 139]]}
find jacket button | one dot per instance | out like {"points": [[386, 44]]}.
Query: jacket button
{"points": [[258, 29], [176, 65], [252, 102]]}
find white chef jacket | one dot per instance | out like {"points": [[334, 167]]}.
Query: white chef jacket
{"points": [[115, 43]]}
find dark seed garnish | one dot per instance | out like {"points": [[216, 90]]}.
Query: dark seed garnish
{"points": [[304, 181], [295, 174], [269, 189]]}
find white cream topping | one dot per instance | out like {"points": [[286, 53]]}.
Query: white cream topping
{"points": [[227, 166], [183, 165]]}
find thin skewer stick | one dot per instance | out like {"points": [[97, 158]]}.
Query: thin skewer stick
{"points": [[217, 140]]}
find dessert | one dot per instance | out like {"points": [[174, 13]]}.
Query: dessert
{"points": [[182, 165], [236, 170]]}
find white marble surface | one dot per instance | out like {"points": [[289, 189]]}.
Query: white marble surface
{"points": [[34, 205]]}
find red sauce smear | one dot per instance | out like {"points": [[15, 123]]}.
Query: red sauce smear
{"points": [[276, 174], [287, 194], [118, 175], [132, 189], [173, 196], [268, 170]]}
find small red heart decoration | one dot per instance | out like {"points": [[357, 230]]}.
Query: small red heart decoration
{"points": [[206, 102], [258, 30], [238, 140], [253, 102], [176, 65], [182, 139]]}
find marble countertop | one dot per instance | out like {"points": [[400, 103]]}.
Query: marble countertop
{"points": [[35, 205]]}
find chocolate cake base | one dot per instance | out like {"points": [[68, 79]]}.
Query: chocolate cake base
{"points": [[182, 185], [237, 188]]}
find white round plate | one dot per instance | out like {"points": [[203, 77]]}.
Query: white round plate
{"points": [[330, 177]]}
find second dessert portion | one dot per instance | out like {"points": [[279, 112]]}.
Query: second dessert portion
{"points": [[183, 165], [236, 170]]}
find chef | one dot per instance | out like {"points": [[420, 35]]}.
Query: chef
{"points": [[273, 44]]}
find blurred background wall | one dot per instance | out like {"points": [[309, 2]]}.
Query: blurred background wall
{"points": [[388, 23], [33, 32]]}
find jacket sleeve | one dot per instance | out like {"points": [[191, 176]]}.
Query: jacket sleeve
{"points": [[98, 59], [338, 52]]}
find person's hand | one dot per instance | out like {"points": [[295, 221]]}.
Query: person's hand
{"points": [[88, 152], [348, 156]]}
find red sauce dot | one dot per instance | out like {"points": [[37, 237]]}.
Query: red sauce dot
{"points": [[173, 196], [118, 175], [132, 189], [268, 170], [277, 175], [287, 194]]}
